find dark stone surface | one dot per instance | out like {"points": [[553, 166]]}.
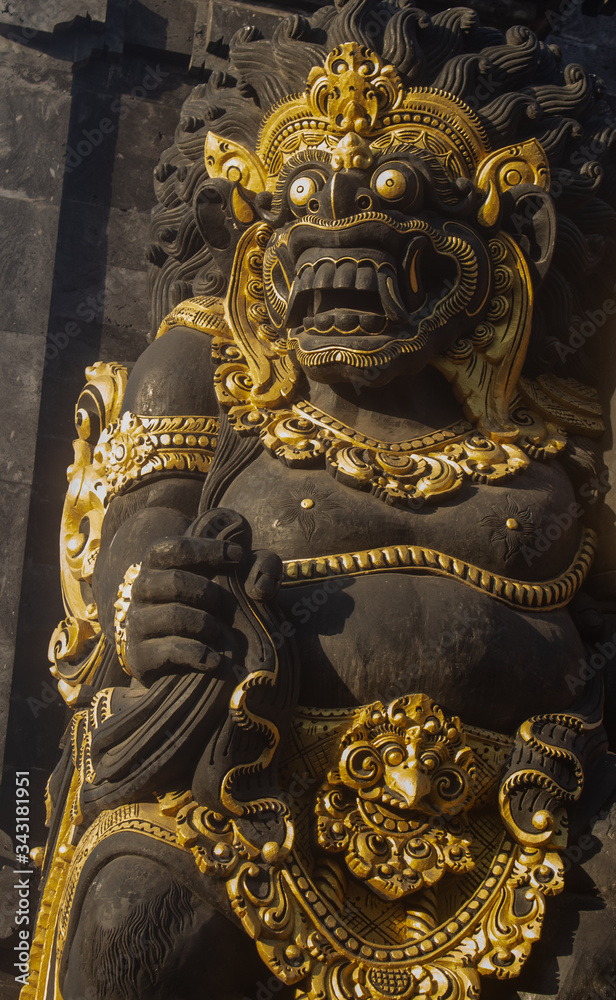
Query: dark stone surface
{"points": [[19, 388], [590, 41], [216, 24], [25, 274], [33, 116], [166, 25], [42, 16], [14, 502], [127, 233]]}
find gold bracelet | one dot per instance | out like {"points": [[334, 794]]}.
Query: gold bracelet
{"points": [[135, 446], [121, 605]]}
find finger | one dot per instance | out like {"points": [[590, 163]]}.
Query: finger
{"points": [[172, 654], [155, 621], [169, 586], [202, 555], [264, 578]]}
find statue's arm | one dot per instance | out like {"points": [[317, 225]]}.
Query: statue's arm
{"points": [[172, 615]]}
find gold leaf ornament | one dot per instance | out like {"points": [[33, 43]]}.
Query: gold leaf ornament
{"points": [[392, 806], [236, 164], [353, 87], [525, 163]]}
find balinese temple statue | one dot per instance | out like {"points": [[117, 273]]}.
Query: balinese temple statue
{"points": [[327, 550]]}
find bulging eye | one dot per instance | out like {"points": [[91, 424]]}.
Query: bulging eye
{"points": [[393, 756], [400, 184], [391, 184], [430, 760], [301, 190]]}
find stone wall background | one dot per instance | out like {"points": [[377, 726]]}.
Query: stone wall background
{"points": [[90, 95]]}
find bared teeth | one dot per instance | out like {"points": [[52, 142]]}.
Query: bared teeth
{"points": [[372, 323], [323, 322], [306, 279], [325, 274], [347, 321], [366, 279], [345, 274], [345, 295]]}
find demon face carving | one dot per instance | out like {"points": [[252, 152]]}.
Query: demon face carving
{"points": [[372, 212], [363, 272]]}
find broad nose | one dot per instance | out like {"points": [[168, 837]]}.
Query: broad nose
{"points": [[342, 197]]}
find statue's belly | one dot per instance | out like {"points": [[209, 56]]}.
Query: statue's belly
{"points": [[384, 635]]}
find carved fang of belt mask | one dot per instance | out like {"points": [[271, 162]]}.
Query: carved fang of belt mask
{"points": [[356, 108]]}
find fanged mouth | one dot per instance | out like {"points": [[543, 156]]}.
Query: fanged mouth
{"points": [[337, 292]]}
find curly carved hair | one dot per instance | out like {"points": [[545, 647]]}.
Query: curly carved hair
{"points": [[513, 81]]}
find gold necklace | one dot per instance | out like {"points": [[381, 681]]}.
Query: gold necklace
{"points": [[428, 468]]}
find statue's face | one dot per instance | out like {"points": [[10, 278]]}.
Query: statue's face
{"points": [[372, 271]]}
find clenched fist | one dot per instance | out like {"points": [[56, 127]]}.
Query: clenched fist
{"points": [[179, 618]]}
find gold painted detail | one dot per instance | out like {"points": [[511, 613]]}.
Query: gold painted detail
{"points": [[565, 401], [136, 446], [547, 770], [203, 312], [547, 594], [121, 606], [355, 108], [525, 163], [98, 405], [353, 88], [144, 818], [111, 453], [336, 429], [41, 951], [332, 934], [424, 469], [484, 367], [393, 806], [356, 94], [77, 646], [76, 650]]}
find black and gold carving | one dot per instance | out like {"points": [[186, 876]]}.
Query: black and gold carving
{"points": [[383, 285]]}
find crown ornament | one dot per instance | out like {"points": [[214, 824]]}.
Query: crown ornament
{"points": [[353, 88]]}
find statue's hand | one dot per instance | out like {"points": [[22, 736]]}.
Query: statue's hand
{"points": [[179, 618], [176, 619]]}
